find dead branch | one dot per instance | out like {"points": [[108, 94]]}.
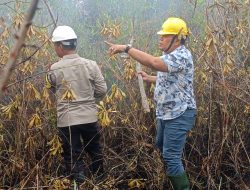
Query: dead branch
{"points": [[51, 13], [7, 70], [144, 98]]}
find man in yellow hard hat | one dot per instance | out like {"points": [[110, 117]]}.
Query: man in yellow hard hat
{"points": [[174, 96], [77, 83]]}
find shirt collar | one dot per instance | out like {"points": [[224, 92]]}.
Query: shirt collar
{"points": [[71, 56], [177, 49]]}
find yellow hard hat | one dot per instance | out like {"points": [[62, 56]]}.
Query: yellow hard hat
{"points": [[174, 25]]}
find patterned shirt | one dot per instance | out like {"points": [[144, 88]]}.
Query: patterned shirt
{"points": [[174, 88]]}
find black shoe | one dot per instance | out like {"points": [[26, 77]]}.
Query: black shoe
{"points": [[74, 186], [79, 177]]}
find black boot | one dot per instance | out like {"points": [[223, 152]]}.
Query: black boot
{"points": [[78, 172], [75, 172], [79, 177]]}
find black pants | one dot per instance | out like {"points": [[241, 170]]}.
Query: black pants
{"points": [[73, 148]]}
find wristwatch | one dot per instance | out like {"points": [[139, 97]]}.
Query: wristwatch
{"points": [[128, 47]]}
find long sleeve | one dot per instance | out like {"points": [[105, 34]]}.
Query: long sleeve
{"points": [[100, 84]]}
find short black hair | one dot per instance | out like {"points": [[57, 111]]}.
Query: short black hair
{"points": [[68, 44]]}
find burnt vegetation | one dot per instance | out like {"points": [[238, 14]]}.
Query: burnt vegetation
{"points": [[217, 152]]}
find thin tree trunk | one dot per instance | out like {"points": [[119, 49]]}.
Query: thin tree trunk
{"points": [[7, 70]]}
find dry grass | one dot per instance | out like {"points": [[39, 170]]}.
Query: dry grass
{"points": [[217, 152]]}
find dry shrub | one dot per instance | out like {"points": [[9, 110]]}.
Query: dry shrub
{"points": [[221, 137], [217, 152]]}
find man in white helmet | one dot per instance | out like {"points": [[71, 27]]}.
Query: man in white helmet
{"points": [[76, 112]]}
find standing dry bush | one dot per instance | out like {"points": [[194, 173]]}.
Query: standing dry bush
{"points": [[220, 140], [217, 152]]}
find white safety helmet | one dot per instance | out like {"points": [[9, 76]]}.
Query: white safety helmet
{"points": [[62, 33]]}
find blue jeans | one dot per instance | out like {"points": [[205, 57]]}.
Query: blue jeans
{"points": [[171, 138]]}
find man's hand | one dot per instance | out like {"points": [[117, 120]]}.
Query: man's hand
{"points": [[115, 48], [145, 59], [146, 77]]}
